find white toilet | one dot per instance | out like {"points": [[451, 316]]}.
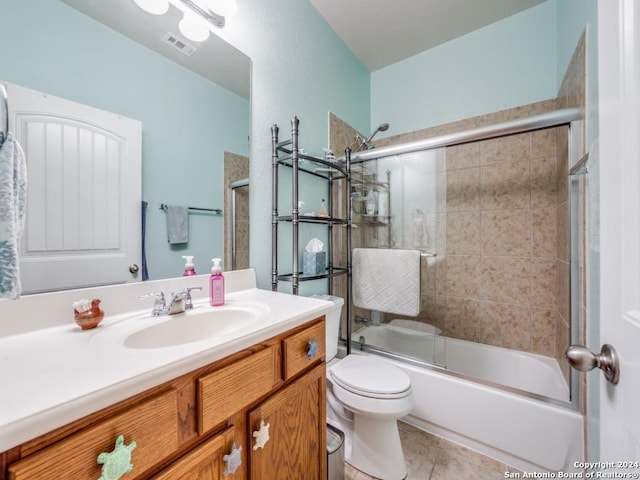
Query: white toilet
{"points": [[366, 395]]}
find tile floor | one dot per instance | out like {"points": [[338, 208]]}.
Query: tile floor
{"points": [[430, 457]]}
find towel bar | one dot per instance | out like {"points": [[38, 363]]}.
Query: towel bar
{"points": [[216, 211]]}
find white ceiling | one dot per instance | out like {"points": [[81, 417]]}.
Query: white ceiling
{"points": [[378, 32], [383, 32]]}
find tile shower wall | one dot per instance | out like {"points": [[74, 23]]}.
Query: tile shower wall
{"points": [[236, 167], [496, 282], [495, 278]]}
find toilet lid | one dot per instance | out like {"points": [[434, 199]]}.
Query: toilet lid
{"points": [[371, 377]]}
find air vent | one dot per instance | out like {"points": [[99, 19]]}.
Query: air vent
{"points": [[179, 44]]}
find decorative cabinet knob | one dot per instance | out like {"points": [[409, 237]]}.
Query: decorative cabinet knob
{"points": [[133, 268], [261, 435], [233, 460], [312, 349], [117, 462]]}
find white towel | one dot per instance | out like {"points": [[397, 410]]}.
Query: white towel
{"points": [[177, 224], [13, 201], [387, 280]]}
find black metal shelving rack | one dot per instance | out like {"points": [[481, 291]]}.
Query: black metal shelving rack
{"points": [[287, 154]]}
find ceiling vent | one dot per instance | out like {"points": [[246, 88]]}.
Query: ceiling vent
{"points": [[179, 44]]}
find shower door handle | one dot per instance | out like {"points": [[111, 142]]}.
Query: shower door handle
{"points": [[583, 359]]}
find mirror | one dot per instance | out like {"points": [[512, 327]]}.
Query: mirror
{"points": [[194, 110]]}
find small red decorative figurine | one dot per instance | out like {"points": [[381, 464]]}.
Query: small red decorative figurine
{"points": [[88, 314]]}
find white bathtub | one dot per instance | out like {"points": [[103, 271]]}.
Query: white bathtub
{"points": [[521, 431]]}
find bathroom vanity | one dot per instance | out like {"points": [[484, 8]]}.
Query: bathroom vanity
{"points": [[230, 391]]}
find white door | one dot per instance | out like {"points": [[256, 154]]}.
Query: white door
{"points": [[619, 126], [84, 192]]}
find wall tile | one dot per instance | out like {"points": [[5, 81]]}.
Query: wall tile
{"points": [[504, 187], [506, 232], [463, 276], [462, 319], [463, 156], [505, 325], [562, 272], [543, 182], [543, 331], [428, 275], [463, 189], [463, 232], [512, 149], [543, 232], [543, 143], [506, 279], [543, 282], [562, 231]]}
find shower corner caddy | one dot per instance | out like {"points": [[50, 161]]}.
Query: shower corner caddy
{"points": [[287, 154]]}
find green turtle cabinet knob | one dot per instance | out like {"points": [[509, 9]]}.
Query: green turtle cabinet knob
{"points": [[117, 462]]}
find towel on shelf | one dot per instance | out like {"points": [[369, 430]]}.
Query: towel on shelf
{"points": [[387, 280], [177, 224], [13, 202]]}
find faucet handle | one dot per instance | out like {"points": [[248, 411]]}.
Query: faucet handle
{"points": [[158, 304], [188, 303]]}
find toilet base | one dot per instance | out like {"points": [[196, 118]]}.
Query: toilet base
{"points": [[376, 449]]}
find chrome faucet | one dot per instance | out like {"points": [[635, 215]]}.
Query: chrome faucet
{"points": [[178, 302]]}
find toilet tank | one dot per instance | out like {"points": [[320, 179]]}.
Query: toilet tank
{"points": [[332, 324]]}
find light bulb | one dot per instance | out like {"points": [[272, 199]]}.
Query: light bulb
{"points": [[193, 27], [155, 7], [226, 8]]}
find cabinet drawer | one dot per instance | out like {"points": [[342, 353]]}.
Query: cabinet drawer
{"points": [[152, 424], [296, 347], [204, 461], [228, 390]]}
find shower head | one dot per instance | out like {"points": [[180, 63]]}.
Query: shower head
{"points": [[382, 128]]}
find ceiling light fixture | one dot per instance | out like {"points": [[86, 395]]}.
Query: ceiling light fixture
{"points": [[194, 27], [154, 7], [200, 16]]}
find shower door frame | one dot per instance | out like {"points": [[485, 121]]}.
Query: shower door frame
{"points": [[569, 117]]}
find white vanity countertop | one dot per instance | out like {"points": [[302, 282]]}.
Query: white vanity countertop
{"points": [[53, 376]]}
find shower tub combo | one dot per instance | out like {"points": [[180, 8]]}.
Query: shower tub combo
{"points": [[479, 398], [510, 405]]}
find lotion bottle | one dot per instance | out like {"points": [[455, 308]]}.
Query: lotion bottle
{"points": [[216, 284], [189, 267]]}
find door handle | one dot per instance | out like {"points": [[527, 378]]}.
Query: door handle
{"points": [[133, 268], [583, 359]]}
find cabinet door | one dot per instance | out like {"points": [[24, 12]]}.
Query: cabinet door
{"points": [[204, 462], [296, 416]]}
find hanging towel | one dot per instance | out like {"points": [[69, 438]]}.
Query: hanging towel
{"points": [[177, 224], [13, 202], [387, 280]]}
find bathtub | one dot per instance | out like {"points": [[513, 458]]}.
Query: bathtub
{"points": [[528, 432]]}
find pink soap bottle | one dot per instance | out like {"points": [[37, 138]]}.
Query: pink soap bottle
{"points": [[189, 267], [216, 284]]}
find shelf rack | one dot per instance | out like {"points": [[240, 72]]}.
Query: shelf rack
{"points": [[287, 154]]}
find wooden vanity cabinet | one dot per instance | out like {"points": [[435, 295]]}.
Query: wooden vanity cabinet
{"points": [[297, 429], [185, 427]]}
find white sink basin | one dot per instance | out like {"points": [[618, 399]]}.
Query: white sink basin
{"points": [[192, 326]]}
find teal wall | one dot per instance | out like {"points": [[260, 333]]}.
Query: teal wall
{"points": [[299, 67], [508, 63], [187, 120]]}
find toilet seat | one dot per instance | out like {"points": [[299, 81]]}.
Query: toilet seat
{"points": [[370, 377]]}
